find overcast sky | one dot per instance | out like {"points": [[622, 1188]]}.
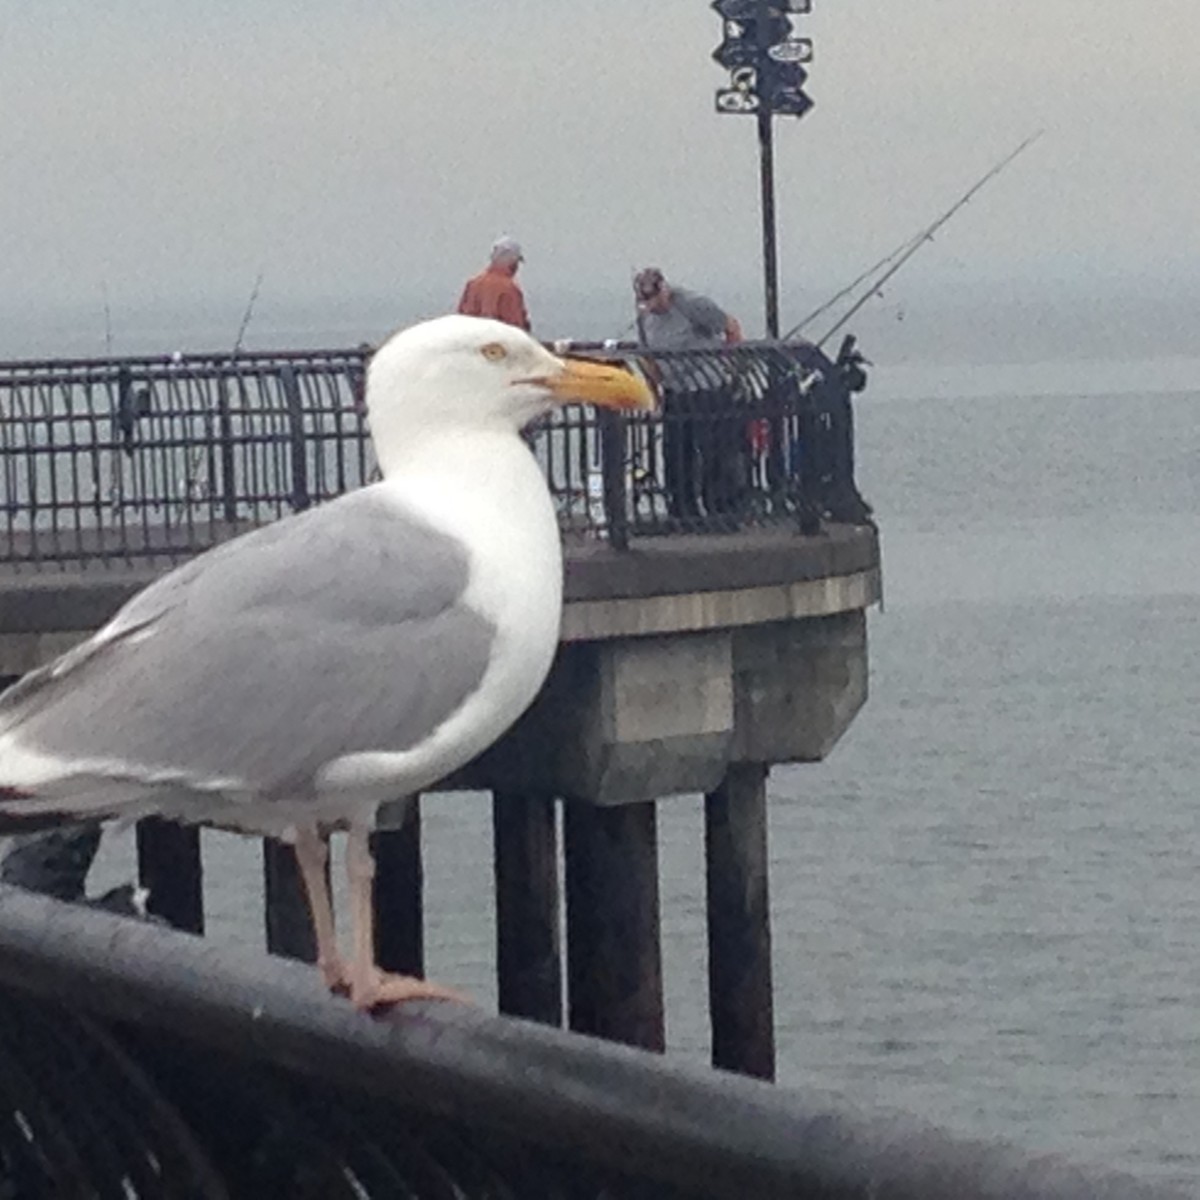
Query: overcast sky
{"points": [[364, 153]]}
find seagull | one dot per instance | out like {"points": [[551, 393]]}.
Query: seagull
{"points": [[289, 681]]}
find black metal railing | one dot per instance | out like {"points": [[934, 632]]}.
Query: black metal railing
{"points": [[151, 458], [136, 1062]]}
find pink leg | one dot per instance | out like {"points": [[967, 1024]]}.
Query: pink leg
{"points": [[312, 857], [371, 987]]}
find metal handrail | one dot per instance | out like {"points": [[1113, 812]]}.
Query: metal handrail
{"points": [[213, 1017], [158, 458]]}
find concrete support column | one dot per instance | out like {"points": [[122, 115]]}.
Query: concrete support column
{"points": [[528, 953], [289, 925], [613, 953], [739, 923], [169, 869], [399, 891]]}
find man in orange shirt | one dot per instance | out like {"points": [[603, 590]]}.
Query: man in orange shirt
{"points": [[494, 292]]}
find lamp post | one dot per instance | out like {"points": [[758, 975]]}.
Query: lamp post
{"points": [[766, 168], [766, 76]]}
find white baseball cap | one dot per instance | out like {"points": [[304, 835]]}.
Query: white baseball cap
{"points": [[507, 247]]}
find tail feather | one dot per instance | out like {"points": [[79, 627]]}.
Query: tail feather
{"points": [[71, 800], [28, 814]]}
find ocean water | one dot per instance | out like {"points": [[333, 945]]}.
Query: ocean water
{"points": [[987, 897], [986, 903]]}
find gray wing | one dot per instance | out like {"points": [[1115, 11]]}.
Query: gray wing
{"points": [[338, 630]]}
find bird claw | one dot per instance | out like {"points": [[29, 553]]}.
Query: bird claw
{"points": [[381, 990]]}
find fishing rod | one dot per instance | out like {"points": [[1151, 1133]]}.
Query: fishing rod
{"points": [[114, 462], [241, 333], [850, 288], [108, 333], [927, 234], [194, 480]]}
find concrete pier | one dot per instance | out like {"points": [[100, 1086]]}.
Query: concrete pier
{"points": [[686, 665], [678, 657]]}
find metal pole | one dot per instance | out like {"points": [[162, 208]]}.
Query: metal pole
{"points": [[766, 155]]}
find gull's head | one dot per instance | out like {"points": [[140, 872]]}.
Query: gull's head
{"points": [[469, 374]]}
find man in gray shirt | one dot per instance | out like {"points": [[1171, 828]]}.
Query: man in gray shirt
{"points": [[703, 454], [673, 318]]}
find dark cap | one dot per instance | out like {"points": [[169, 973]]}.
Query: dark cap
{"points": [[647, 283]]}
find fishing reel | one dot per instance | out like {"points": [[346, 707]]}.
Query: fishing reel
{"points": [[850, 363]]}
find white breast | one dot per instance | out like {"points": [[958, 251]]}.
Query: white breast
{"points": [[495, 502]]}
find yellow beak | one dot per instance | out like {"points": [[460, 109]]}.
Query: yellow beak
{"points": [[584, 381]]}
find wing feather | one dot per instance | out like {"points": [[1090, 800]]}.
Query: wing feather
{"points": [[340, 630]]}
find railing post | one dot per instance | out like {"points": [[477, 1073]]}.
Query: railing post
{"points": [[614, 957], [123, 424], [612, 467], [228, 459], [298, 450], [739, 923], [528, 954], [169, 869]]}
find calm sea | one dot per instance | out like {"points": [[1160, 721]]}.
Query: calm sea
{"points": [[987, 902]]}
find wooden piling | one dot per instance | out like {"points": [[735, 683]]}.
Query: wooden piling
{"points": [[399, 895], [169, 869], [528, 944], [614, 959], [739, 923]]}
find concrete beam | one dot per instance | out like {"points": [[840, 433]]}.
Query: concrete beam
{"points": [[748, 574], [797, 686], [625, 720], [592, 620], [620, 722], [583, 620]]}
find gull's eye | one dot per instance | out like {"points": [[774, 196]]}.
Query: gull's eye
{"points": [[494, 352]]}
